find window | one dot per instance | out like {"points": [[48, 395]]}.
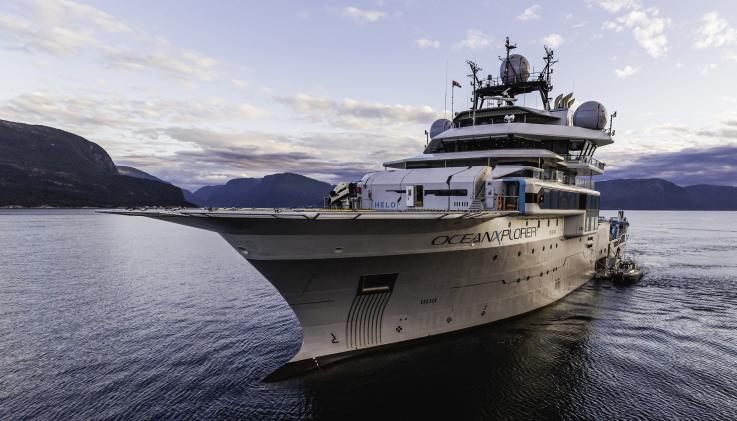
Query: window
{"points": [[559, 199], [451, 192]]}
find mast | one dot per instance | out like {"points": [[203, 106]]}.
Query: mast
{"points": [[545, 76], [475, 69], [508, 65]]}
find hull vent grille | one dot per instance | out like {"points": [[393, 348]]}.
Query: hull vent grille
{"points": [[363, 327]]}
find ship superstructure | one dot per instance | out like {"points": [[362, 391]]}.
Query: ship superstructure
{"points": [[497, 217]]}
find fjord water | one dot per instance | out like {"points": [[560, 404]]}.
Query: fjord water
{"points": [[105, 316]]}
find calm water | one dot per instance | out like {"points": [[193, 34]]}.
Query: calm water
{"points": [[106, 316]]}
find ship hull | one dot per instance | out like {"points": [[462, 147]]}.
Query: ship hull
{"points": [[426, 282], [364, 282]]}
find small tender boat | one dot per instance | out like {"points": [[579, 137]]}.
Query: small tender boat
{"points": [[627, 271]]}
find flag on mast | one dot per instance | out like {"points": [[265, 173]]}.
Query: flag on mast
{"points": [[455, 83]]}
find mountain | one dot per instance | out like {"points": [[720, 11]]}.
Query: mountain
{"points": [[658, 194], [271, 191], [713, 197], [44, 166], [135, 172]]}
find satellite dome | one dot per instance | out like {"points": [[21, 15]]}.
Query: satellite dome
{"points": [[439, 126], [590, 115], [516, 69]]}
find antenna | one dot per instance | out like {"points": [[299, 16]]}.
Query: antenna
{"points": [[545, 76], [445, 98], [509, 47], [611, 123], [475, 69]]}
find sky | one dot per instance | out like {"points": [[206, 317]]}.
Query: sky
{"points": [[199, 92]]}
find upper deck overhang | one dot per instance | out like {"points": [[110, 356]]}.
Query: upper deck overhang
{"points": [[492, 156], [506, 110], [582, 167], [530, 130]]}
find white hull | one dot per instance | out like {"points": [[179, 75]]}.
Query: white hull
{"points": [[357, 282], [436, 287]]}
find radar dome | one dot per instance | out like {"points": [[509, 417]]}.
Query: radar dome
{"points": [[590, 115], [439, 126], [516, 69]]}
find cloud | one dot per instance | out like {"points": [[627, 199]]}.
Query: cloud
{"points": [[425, 43], [213, 157], [475, 40], [357, 114], [670, 137], [707, 68], [90, 113], [553, 40], [65, 28], [59, 41], [714, 32], [186, 65], [626, 71], [361, 15], [531, 13], [238, 83], [617, 5], [717, 165], [648, 27], [192, 143]]}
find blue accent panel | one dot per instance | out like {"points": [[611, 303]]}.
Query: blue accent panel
{"points": [[521, 200]]}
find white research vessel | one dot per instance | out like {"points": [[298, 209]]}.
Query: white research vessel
{"points": [[498, 217]]}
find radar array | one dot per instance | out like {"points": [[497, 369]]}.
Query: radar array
{"points": [[514, 79]]}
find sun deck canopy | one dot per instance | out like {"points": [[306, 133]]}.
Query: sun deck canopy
{"points": [[482, 157], [527, 130]]}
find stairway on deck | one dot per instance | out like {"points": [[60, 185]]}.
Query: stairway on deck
{"points": [[478, 202]]}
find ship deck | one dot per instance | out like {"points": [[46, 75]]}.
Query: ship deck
{"points": [[311, 213]]}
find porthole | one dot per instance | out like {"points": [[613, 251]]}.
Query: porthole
{"points": [[518, 279], [556, 245], [538, 223], [528, 278], [527, 223], [533, 251], [548, 222], [509, 225], [519, 253], [543, 248], [547, 272], [494, 258], [556, 222], [541, 274]]}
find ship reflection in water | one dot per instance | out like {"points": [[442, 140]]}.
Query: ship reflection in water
{"points": [[530, 367], [102, 316]]}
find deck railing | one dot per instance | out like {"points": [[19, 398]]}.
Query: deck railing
{"points": [[586, 183], [582, 159]]}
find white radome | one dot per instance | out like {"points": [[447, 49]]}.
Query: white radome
{"points": [[590, 115], [517, 69]]}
